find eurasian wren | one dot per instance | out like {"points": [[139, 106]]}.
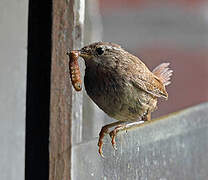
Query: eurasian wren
{"points": [[122, 85]]}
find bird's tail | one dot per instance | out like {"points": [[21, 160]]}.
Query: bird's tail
{"points": [[163, 72]]}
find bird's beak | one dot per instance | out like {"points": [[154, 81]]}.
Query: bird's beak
{"points": [[80, 53], [77, 52]]}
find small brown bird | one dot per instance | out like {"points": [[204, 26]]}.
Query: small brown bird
{"points": [[122, 86]]}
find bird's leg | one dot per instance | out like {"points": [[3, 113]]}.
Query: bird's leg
{"points": [[145, 119], [103, 132], [120, 128]]}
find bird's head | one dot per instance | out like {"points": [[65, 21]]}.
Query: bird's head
{"points": [[103, 53]]}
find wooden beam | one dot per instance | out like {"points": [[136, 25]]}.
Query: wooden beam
{"points": [[67, 29]]}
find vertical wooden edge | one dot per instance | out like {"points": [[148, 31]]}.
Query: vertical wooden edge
{"points": [[62, 101], [60, 107]]}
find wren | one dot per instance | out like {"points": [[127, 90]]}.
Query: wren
{"points": [[122, 86]]}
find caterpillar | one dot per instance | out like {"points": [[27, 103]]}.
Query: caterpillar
{"points": [[74, 70]]}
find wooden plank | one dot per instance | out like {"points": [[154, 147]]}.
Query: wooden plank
{"points": [[66, 35]]}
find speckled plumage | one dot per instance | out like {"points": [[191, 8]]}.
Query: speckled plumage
{"points": [[121, 84]]}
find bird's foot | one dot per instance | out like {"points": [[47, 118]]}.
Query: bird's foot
{"points": [[121, 128], [114, 132], [102, 134], [113, 135]]}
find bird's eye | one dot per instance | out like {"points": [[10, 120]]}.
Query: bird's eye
{"points": [[100, 50]]}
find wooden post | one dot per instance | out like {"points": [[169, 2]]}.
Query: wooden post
{"points": [[65, 105]]}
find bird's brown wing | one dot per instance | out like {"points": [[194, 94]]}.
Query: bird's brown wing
{"points": [[143, 78], [152, 86]]}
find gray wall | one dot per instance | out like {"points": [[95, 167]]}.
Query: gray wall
{"points": [[13, 57]]}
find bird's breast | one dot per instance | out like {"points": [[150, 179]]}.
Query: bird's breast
{"points": [[105, 88], [116, 96]]}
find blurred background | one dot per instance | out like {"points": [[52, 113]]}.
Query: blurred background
{"points": [[155, 31]]}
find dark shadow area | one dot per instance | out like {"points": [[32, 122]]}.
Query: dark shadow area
{"points": [[38, 90]]}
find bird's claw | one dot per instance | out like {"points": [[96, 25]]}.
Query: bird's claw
{"points": [[103, 131], [100, 145], [100, 141], [113, 136]]}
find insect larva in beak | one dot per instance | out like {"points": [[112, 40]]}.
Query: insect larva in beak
{"points": [[74, 70]]}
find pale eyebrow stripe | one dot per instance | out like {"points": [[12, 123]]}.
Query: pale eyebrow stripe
{"points": [[114, 48]]}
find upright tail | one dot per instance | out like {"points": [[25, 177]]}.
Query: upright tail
{"points": [[163, 73]]}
